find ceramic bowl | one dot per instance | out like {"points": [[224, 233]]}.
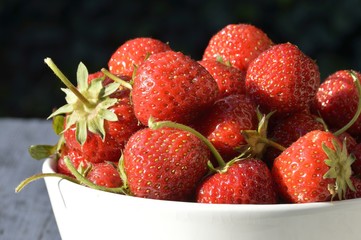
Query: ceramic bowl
{"points": [[84, 213]]}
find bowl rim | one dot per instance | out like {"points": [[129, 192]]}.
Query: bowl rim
{"points": [[50, 164]]}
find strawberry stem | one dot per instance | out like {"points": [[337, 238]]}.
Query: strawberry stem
{"points": [[67, 83], [88, 183], [358, 112], [156, 125], [117, 79], [43, 175]]}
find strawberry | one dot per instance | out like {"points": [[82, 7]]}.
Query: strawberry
{"points": [[230, 80], [350, 194], [132, 53], [104, 174], [337, 101], [313, 169], [288, 130], [282, 79], [247, 181], [172, 86], [75, 157], [223, 124], [237, 43], [99, 119], [165, 163]]}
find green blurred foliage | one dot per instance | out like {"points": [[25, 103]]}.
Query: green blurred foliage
{"points": [[90, 30]]}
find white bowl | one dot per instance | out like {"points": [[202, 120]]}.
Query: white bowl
{"points": [[84, 213]]}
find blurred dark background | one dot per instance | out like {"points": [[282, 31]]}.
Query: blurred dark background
{"points": [[70, 31]]}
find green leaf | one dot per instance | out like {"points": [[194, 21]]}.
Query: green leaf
{"points": [[81, 132], [39, 152], [108, 115], [82, 77], [58, 124], [96, 125], [110, 88], [62, 110]]}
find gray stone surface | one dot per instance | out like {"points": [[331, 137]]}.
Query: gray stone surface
{"points": [[28, 214]]}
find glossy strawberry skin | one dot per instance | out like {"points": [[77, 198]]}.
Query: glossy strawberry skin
{"points": [[134, 52], [237, 43], [172, 86], [288, 130], [223, 123], [337, 101], [284, 79], [75, 157], [298, 171], [164, 164], [247, 181], [95, 149], [230, 80], [104, 174]]}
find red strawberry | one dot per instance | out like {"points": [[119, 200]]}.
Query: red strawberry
{"points": [[164, 164], [288, 130], [248, 181], [356, 193], [230, 80], [132, 53], [237, 43], [99, 120], [337, 101], [313, 169], [223, 124], [283, 79], [172, 86], [75, 157], [97, 148], [104, 174]]}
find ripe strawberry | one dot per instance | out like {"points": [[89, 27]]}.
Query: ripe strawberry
{"points": [[337, 101], [165, 163], [282, 79], [230, 80], [247, 181], [237, 43], [223, 123], [313, 169], [288, 130], [75, 157], [132, 53], [99, 120], [104, 174], [356, 193], [172, 86]]}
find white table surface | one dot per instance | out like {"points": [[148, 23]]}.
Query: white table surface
{"points": [[26, 215]]}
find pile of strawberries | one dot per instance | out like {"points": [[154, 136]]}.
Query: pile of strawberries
{"points": [[251, 122]]}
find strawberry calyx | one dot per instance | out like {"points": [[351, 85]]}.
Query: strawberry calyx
{"points": [[257, 141], [340, 163], [358, 112], [88, 105]]}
